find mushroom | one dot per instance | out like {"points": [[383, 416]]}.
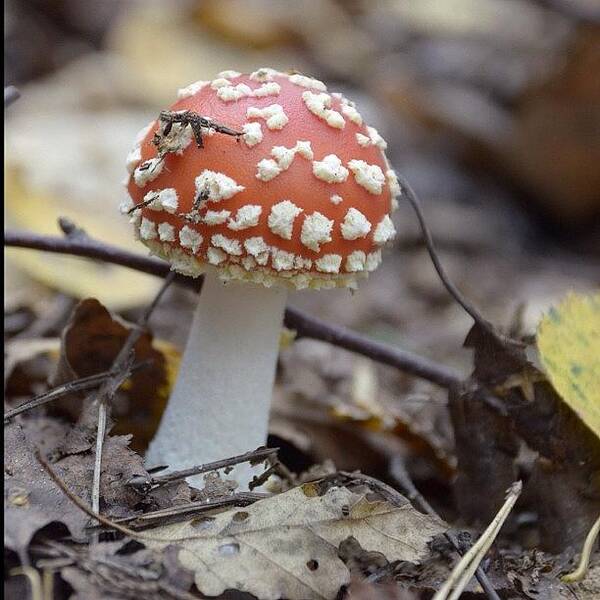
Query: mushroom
{"points": [[264, 183]]}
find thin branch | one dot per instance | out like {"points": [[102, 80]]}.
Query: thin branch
{"points": [[400, 474], [120, 365], [466, 566], [254, 456], [190, 509], [305, 325], [413, 200], [77, 385], [11, 94]]}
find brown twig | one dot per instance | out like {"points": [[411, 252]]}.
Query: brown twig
{"points": [[77, 385], [109, 387], [190, 509], [305, 325], [254, 456], [400, 474]]}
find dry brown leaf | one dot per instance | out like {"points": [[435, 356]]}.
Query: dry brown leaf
{"points": [[286, 546]]}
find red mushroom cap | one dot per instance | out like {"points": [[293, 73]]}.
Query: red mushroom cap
{"points": [[300, 197]]}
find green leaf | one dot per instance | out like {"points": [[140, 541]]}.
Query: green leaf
{"points": [[568, 341]]}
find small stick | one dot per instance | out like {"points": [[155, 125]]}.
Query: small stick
{"points": [[254, 456], [579, 573], [77, 385], [400, 474], [466, 566], [108, 389], [192, 508], [11, 94], [413, 200]]}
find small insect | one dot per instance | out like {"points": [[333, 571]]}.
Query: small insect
{"points": [[195, 121], [345, 510]]}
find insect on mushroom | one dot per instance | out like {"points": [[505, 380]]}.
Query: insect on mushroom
{"points": [[303, 203]]}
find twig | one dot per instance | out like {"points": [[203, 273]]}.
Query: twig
{"points": [[77, 385], [109, 387], [579, 573], [413, 200], [400, 474], [11, 94], [192, 508], [466, 566], [257, 455], [136, 535], [306, 325]]}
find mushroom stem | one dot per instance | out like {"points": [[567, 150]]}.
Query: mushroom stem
{"points": [[221, 400]]}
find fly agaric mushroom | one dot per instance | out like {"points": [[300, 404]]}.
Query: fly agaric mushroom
{"points": [[264, 183]]}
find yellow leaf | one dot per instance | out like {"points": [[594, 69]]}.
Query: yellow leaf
{"points": [[568, 340]]}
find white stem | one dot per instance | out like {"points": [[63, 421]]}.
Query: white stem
{"points": [[220, 404]]}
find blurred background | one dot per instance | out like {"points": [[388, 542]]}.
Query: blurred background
{"points": [[491, 109]]}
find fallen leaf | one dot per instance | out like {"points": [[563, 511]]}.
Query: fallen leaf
{"points": [[31, 499], [90, 342], [286, 546], [568, 341]]}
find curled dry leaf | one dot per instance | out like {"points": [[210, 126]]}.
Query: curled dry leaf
{"points": [[287, 546], [90, 342]]}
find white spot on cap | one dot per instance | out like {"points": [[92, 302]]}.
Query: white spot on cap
{"points": [[368, 176], [282, 260], [232, 93], [191, 90], [355, 225], [373, 260], [166, 200], [302, 263], [247, 216], [216, 217], [230, 74], [384, 232], [349, 110], [273, 114], [148, 171], [329, 263], [330, 169], [218, 185], [376, 139], [133, 159], [392, 180], [248, 263], [258, 248], [336, 199], [356, 261], [281, 218], [268, 169], [126, 204], [166, 232], [363, 140], [190, 238], [307, 82], [252, 134], [267, 89], [148, 229], [264, 74], [316, 230], [231, 246], [215, 256], [319, 105]]}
